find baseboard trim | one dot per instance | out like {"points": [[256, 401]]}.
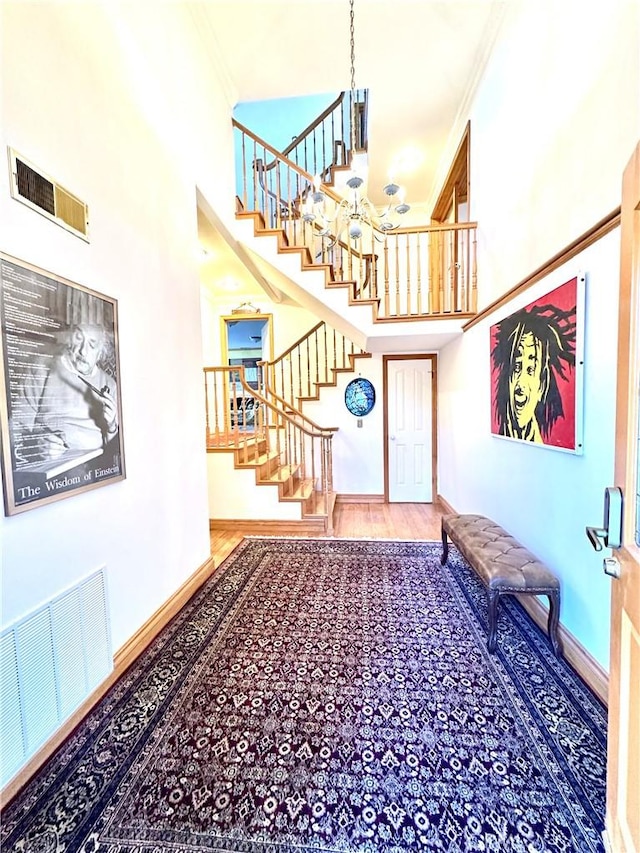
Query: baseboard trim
{"points": [[446, 506], [576, 655], [268, 528], [132, 649], [122, 659], [360, 499]]}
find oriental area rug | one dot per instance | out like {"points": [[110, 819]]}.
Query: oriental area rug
{"points": [[330, 696]]}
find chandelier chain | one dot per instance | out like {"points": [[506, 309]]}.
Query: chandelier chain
{"points": [[352, 44], [354, 213]]}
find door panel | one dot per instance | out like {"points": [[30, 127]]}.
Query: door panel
{"points": [[409, 430], [623, 769]]}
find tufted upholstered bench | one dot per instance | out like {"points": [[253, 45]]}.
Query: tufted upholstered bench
{"points": [[504, 566]]}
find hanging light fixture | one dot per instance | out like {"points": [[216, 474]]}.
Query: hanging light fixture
{"points": [[355, 213]]}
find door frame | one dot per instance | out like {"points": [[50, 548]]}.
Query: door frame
{"points": [[415, 356], [623, 785]]}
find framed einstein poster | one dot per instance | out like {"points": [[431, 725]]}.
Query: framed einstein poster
{"points": [[60, 387], [537, 367]]}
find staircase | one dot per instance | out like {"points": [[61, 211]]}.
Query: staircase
{"points": [[281, 446], [416, 273], [413, 274]]}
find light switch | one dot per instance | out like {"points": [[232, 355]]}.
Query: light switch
{"points": [[359, 423]]}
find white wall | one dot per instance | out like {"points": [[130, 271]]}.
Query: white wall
{"points": [[553, 124], [122, 109], [358, 452], [552, 127]]}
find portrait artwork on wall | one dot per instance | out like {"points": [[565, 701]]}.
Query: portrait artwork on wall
{"points": [[537, 367], [60, 387]]}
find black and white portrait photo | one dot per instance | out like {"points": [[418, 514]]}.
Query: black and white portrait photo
{"points": [[62, 421]]}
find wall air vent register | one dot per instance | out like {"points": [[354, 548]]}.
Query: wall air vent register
{"points": [[33, 187]]}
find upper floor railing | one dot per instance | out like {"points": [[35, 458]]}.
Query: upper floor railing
{"points": [[406, 274]]}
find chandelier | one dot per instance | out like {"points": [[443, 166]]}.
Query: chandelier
{"points": [[355, 213]]}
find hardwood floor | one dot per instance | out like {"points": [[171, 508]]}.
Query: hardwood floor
{"points": [[351, 520]]}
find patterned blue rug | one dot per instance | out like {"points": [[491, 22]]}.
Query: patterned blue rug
{"points": [[318, 696]]}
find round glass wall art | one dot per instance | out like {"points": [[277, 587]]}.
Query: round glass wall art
{"points": [[359, 397]]}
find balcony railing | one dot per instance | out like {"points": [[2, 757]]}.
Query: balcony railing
{"points": [[406, 274]]}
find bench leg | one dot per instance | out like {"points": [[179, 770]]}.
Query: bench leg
{"points": [[445, 548], [552, 623], [494, 598]]}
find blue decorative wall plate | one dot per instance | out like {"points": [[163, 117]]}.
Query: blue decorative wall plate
{"points": [[359, 397]]}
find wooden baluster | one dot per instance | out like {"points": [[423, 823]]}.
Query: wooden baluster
{"points": [[441, 271], [474, 277], [398, 309], [206, 407], [315, 337], [279, 444], [313, 444], [292, 396], [290, 194], [245, 200], [278, 199], [419, 238], [463, 238], [452, 272], [408, 306], [386, 276], [255, 177], [326, 361]]}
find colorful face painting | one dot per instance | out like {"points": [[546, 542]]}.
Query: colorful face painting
{"points": [[536, 370]]}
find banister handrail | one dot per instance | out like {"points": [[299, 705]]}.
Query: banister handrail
{"points": [[309, 364], [323, 432], [296, 411], [285, 160], [288, 351], [337, 198], [310, 128]]}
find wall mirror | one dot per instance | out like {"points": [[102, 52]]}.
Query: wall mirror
{"points": [[246, 340]]}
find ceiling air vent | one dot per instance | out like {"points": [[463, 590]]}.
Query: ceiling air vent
{"points": [[35, 189]]}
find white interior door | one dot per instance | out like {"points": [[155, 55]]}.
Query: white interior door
{"points": [[410, 430]]}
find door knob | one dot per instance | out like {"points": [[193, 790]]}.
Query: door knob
{"points": [[597, 536], [610, 534]]}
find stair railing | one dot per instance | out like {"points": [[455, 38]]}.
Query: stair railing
{"points": [[300, 451], [412, 273], [325, 144], [312, 362]]}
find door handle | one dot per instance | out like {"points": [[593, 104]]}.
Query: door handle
{"points": [[610, 534]]}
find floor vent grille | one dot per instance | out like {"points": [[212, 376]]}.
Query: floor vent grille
{"points": [[50, 661]]}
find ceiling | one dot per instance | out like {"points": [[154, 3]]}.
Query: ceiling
{"points": [[420, 60]]}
